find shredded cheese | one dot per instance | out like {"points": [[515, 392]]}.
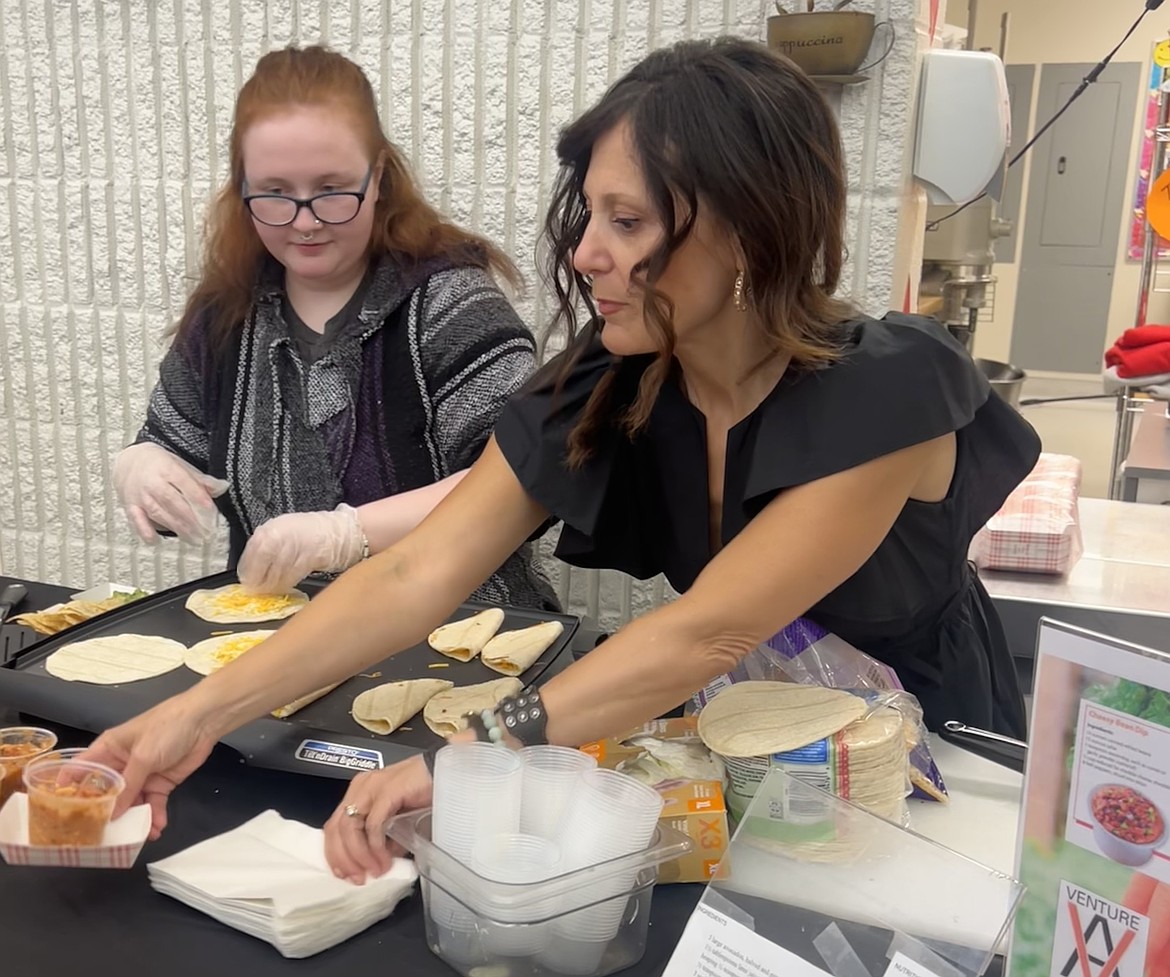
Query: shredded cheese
{"points": [[232, 650], [237, 600], [439, 665]]}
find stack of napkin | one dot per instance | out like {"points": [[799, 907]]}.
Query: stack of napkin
{"points": [[270, 879]]}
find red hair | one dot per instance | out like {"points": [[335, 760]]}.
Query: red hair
{"points": [[404, 223]]}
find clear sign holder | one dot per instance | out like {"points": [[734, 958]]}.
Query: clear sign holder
{"points": [[812, 885]]}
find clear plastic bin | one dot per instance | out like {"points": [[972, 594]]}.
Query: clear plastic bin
{"points": [[446, 882]]}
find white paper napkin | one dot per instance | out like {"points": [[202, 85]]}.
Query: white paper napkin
{"points": [[269, 878]]}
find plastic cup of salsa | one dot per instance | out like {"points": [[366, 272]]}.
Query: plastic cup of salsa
{"points": [[70, 802], [19, 745]]}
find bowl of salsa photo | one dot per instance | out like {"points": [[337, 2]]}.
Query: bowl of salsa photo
{"points": [[1127, 825]]}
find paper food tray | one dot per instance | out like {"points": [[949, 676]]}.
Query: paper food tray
{"points": [[120, 846]]}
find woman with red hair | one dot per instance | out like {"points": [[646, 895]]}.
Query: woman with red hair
{"points": [[344, 356]]}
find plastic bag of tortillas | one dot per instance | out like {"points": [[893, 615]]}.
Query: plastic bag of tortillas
{"points": [[855, 747], [806, 654]]}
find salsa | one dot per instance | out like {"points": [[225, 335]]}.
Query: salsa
{"points": [[1127, 815], [71, 814], [18, 745], [11, 750]]}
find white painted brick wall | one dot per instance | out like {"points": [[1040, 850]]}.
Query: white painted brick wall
{"points": [[115, 117]]}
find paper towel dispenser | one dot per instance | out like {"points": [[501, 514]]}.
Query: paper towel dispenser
{"points": [[964, 125]]}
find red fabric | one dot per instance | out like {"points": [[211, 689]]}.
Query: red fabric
{"points": [[1144, 336], [1141, 352]]}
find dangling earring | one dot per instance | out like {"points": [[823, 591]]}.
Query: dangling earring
{"points": [[738, 298]]}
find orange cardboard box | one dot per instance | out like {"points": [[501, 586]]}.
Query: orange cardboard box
{"points": [[694, 807]]}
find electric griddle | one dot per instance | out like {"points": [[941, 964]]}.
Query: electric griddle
{"points": [[321, 739]]}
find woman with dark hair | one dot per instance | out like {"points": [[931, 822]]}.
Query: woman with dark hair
{"points": [[722, 418], [344, 355]]}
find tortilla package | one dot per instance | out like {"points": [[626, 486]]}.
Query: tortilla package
{"points": [[828, 738], [806, 654]]}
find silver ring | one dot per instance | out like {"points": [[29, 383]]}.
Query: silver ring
{"points": [[351, 811]]}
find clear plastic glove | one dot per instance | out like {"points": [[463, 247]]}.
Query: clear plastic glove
{"points": [[158, 490], [288, 548]]}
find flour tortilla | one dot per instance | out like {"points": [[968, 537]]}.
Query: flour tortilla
{"points": [[753, 719], [446, 713], [116, 658], [464, 639], [384, 708], [231, 605], [514, 652], [201, 658], [297, 704]]}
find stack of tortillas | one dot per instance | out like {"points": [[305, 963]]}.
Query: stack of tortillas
{"points": [[865, 756]]}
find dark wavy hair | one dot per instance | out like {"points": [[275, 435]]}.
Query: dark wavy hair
{"points": [[404, 223], [741, 131]]}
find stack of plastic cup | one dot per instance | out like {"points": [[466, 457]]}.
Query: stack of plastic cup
{"points": [[476, 796], [517, 858], [611, 815], [552, 776]]}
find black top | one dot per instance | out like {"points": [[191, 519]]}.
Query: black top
{"points": [[311, 344], [642, 506]]}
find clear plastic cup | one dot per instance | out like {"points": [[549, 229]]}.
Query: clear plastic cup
{"points": [[70, 802], [476, 795], [68, 753], [565, 955], [517, 858], [611, 815], [552, 776], [455, 925], [18, 746]]}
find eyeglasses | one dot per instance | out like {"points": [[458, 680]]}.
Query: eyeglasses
{"points": [[335, 207]]}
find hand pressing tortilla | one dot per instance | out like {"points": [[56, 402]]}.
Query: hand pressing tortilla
{"points": [[514, 652], [233, 605], [445, 714], [384, 708], [464, 639]]}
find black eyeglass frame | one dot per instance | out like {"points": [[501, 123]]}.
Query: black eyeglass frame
{"points": [[359, 194]]}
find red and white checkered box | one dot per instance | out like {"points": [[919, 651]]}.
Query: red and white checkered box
{"points": [[1037, 530], [120, 845]]}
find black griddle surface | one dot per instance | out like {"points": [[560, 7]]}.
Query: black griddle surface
{"points": [[283, 744]]}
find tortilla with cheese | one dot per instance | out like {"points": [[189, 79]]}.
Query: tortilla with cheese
{"points": [[116, 658], [446, 713], [753, 719], [514, 652], [211, 654], [464, 639], [384, 708], [233, 605]]}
